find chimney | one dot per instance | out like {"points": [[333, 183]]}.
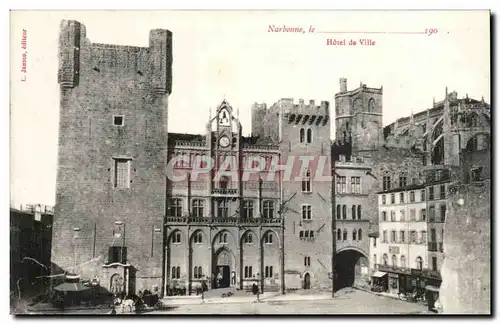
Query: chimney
{"points": [[343, 85], [311, 103], [301, 102]]}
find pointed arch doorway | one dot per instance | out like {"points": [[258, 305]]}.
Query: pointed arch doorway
{"points": [[223, 266]]}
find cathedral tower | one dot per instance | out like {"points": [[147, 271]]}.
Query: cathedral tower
{"points": [[358, 117]]}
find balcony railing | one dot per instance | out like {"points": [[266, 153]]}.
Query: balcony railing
{"points": [[179, 220], [440, 246], [429, 273], [224, 191]]}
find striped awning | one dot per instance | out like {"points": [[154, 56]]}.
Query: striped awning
{"points": [[379, 274]]}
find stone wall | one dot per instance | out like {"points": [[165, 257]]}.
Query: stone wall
{"points": [[466, 271]]}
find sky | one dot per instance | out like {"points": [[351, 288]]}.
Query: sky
{"points": [[231, 55]]}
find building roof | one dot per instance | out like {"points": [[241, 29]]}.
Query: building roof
{"points": [[410, 187], [186, 137]]}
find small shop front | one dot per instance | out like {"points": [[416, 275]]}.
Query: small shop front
{"points": [[433, 283], [399, 279], [379, 281]]}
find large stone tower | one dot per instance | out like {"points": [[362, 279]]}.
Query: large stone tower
{"points": [[306, 150], [110, 201], [358, 117]]}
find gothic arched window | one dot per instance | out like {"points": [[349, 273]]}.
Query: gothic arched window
{"points": [[371, 105], [302, 135]]}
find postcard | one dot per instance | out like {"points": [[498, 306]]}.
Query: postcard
{"points": [[250, 162]]}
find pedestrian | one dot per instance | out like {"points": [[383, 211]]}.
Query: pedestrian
{"points": [[255, 291], [203, 288]]}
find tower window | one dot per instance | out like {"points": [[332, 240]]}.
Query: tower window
{"points": [[268, 209], [302, 135], [309, 135], [122, 173], [306, 212], [118, 120], [248, 209], [248, 238], [175, 207], [386, 184], [306, 181], [371, 105], [307, 261], [268, 238], [198, 206]]}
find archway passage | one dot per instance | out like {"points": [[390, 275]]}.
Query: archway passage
{"points": [[349, 264]]}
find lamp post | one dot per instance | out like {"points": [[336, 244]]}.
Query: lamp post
{"points": [[122, 258], [334, 225], [119, 223]]}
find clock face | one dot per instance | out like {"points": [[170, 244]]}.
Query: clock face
{"points": [[224, 141]]}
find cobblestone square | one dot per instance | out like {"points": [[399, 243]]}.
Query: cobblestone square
{"points": [[346, 301]]}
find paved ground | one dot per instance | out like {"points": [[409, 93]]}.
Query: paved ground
{"points": [[346, 301]]}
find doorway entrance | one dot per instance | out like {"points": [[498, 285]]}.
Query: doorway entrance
{"points": [[223, 276], [222, 268], [307, 281]]}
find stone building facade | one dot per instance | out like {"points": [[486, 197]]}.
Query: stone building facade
{"points": [[364, 166], [466, 270], [403, 237], [111, 180], [441, 133], [141, 208], [302, 132], [223, 223]]}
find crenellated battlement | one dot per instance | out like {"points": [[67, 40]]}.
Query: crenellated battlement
{"points": [[362, 88], [78, 55], [290, 105]]}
